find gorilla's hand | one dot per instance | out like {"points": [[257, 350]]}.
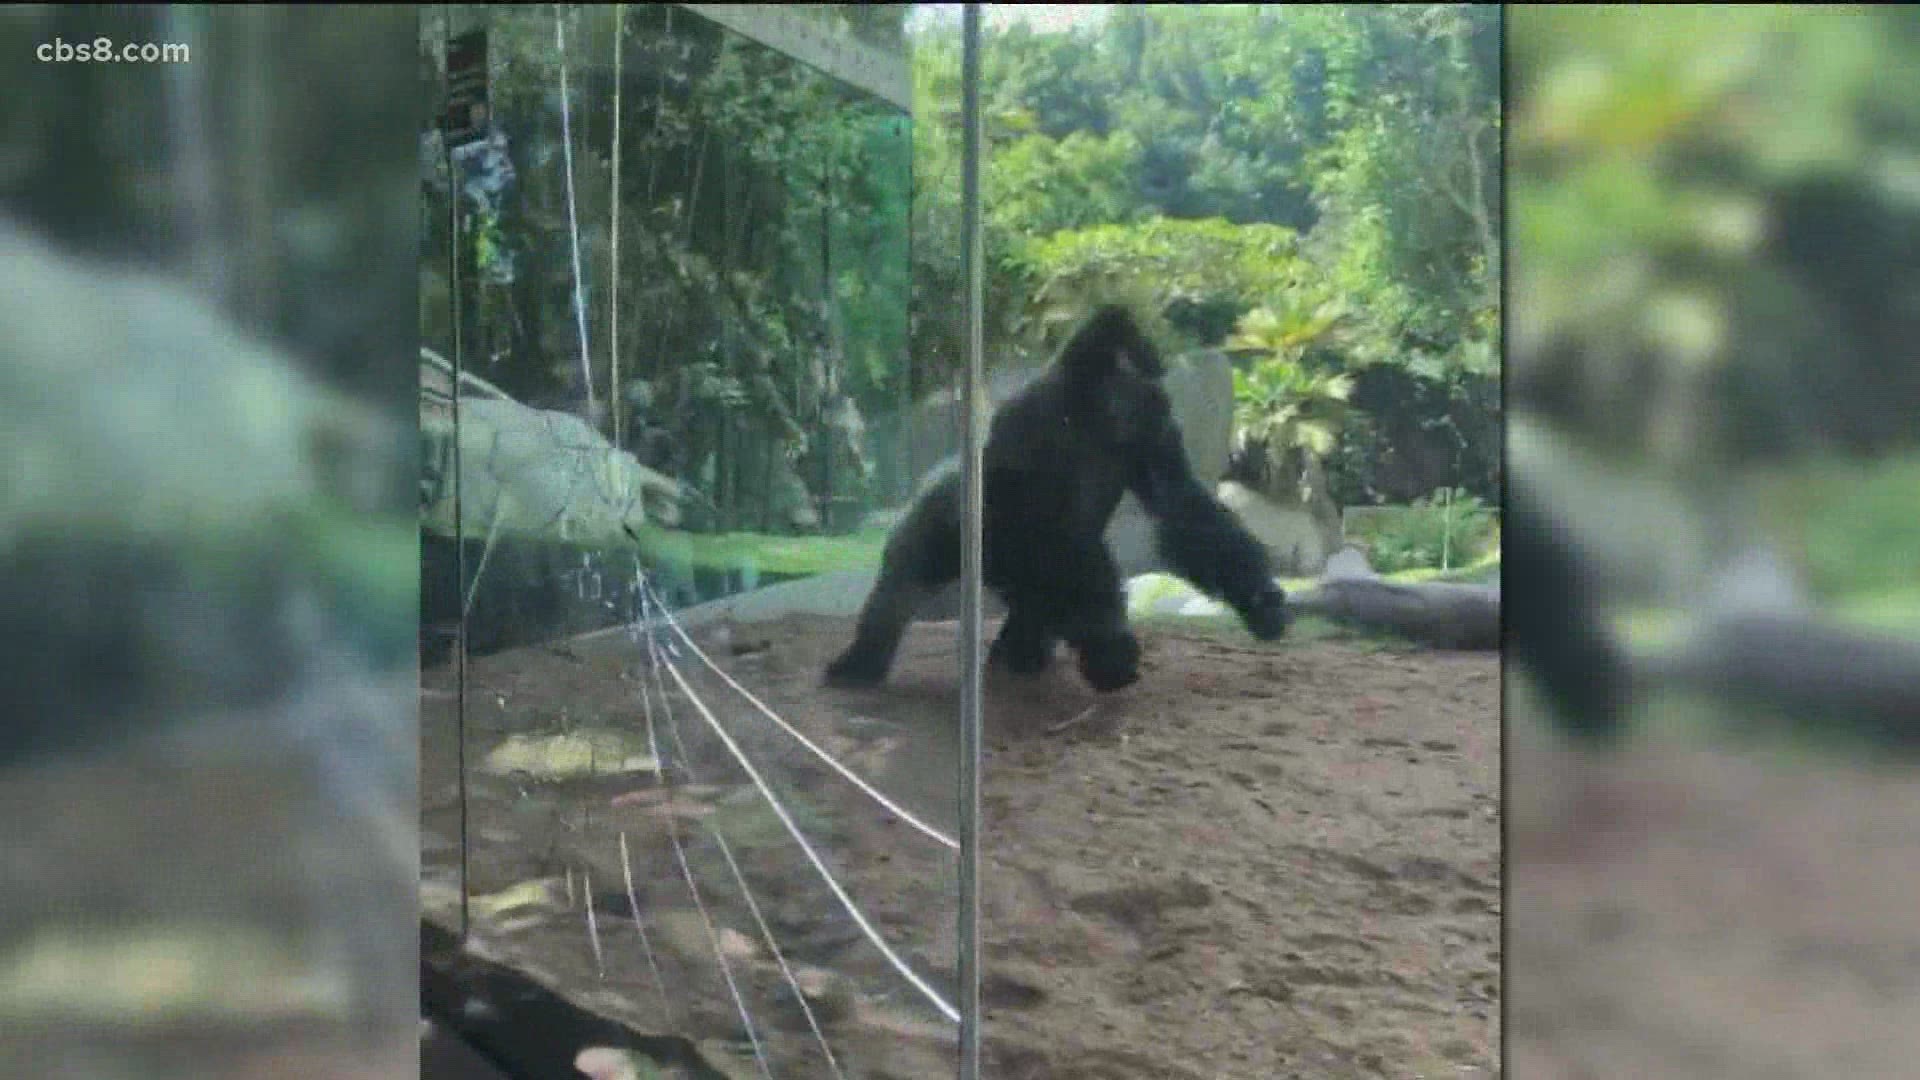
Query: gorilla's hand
{"points": [[1265, 614]]}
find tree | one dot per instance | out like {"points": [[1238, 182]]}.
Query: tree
{"points": [[1713, 209]]}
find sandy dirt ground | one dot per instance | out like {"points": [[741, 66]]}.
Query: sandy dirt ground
{"points": [[1259, 862], [1686, 912]]}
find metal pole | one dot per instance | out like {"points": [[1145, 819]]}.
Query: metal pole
{"points": [[615, 397], [454, 223], [971, 565]]}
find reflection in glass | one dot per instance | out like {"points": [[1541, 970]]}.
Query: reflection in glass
{"points": [[665, 390]]}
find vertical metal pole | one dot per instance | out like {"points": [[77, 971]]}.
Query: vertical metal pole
{"points": [[971, 565], [616, 397], [458, 313]]}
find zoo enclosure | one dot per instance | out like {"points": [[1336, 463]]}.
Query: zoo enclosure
{"points": [[665, 295]]}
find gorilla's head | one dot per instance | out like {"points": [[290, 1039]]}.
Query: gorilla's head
{"points": [[1112, 367]]}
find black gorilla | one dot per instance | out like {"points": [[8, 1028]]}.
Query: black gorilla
{"points": [[1059, 456], [1554, 626]]}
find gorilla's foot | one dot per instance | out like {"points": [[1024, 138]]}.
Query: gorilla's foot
{"points": [[1020, 656], [1110, 662], [857, 669]]}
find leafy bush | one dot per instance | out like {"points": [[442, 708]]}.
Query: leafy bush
{"points": [[1854, 524], [1446, 529], [1284, 413], [1162, 266]]}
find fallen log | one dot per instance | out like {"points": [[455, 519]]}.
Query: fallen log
{"points": [[1797, 664], [1440, 614]]}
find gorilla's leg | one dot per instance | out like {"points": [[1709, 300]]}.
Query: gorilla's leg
{"points": [[1081, 599], [1204, 542], [1025, 645], [922, 555]]}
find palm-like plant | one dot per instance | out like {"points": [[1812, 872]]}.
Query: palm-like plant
{"points": [[1286, 414], [1283, 407], [1264, 332]]}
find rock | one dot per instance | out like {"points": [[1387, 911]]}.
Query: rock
{"points": [[584, 752], [539, 895], [608, 1063], [1164, 594], [1157, 594], [831, 995], [1758, 581], [1202, 608], [1349, 564], [1296, 539], [538, 473], [685, 934], [737, 947]]}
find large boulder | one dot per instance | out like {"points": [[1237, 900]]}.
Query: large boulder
{"points": [[534, 474], [1297, 540]]}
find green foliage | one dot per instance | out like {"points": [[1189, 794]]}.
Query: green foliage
{"points": [[1446, 529], [1284, 335], [1039, 185], [1230, 158], [762, 266], [1201, 162], [1407, 168], [1057, 80], [1288, 415], [1855, 526], [1283, 407], [1168, 269], [1708, 199]]}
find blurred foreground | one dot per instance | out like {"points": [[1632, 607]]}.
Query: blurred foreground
{"points": [[207, 552], [1714, 379], [207, 787]]}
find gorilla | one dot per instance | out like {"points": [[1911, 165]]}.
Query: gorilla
{"points": [[1554, 627], [1059, 456]]}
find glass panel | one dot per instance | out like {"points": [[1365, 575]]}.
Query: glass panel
{"points": [[680, 289]]}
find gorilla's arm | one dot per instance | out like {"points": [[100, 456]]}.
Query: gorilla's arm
{"points": [[1203, 540]]}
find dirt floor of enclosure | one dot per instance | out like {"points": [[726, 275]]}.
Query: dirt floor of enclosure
{"points": [[1259, 862], [1680, 911]]}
